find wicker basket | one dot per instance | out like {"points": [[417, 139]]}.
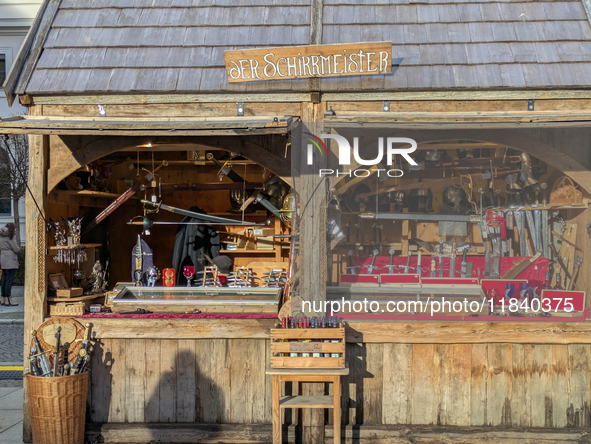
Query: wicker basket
{"points": [[58, 408]]}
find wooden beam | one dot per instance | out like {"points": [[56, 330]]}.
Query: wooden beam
{"points": [[432, 434], [193, 109], [147, 133], [460, 95], [33, 54], [587, 6], [36, 241], [469, 332], [129, 328], [448, 106], [493, 117], [69, 152], [144, 99], [353, 434], [396, 332]]}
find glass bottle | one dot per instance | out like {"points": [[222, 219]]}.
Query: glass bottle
{"points": [[547, 283], [558, 286]]}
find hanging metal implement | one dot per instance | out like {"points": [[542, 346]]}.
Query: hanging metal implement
{"points": [[212, 220]]}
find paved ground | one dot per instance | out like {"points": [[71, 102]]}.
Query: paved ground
{"points": [[11, 353], [11, 330]]}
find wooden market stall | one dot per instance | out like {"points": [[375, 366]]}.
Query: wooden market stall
{"points": [[114, 87]]}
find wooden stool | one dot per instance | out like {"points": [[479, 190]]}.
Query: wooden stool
{"points": [[306, 402]]}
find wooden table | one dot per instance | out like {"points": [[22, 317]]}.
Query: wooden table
{"points": [[306, 402]]}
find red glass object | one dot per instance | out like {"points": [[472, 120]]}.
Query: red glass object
{"points": [[496, 296], [189, 272], [168, 275]]}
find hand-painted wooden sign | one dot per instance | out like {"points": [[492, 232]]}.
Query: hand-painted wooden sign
{"points": [[293, 62]]}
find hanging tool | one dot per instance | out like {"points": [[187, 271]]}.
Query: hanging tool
{"points": [[35, 371], [43, 361], [371, 267], [538, 225], [452, 181], [254, 195], [520, 224], [464, 263], [212, 220], [577, 266], [351, 267], [391, 266], [531, 226], [56, 357], [433, 267], [545, 234], [520, 267], [407, 266], [452, 264], [128, 194], [357, 234], [510, 225], [564, 239], [440, 258], [422, 244], [419, 261], [559, 259]]}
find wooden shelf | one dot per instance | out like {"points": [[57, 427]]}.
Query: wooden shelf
{"points": [[54, 248], [309, 402], [246, 215], [247, 251], [78, 299]]}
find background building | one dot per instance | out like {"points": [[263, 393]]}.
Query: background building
{"points": [[15, 20]]}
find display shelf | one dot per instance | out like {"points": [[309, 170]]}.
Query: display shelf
{"points": [[90, 193], [247, 251], [78, 299], [73, 247]]}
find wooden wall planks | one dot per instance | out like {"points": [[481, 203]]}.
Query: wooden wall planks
{"points": [[223, 381]]}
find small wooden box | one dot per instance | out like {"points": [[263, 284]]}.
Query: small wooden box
{"points": [[67, 309], [73, 292], [302, 341]]}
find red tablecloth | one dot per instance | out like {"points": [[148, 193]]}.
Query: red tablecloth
{"points": [[535, 274]]}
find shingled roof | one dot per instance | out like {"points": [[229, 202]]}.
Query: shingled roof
{"points": [[131, 46]]}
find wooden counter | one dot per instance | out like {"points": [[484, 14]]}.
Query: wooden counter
{"points": [[463, 374], [401, 332]]}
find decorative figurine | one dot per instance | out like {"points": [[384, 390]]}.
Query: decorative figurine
{"points": [[78, 276], [98, 277], [153, 275], [60, 234], [137, 277], [74, 228]]}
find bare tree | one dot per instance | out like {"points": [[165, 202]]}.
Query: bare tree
{"points": [[14, 172]]}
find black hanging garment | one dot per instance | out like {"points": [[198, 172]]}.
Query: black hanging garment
{"points": [[192, 243]]}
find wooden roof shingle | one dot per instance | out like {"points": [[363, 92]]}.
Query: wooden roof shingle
{"points": [[123, 46]]}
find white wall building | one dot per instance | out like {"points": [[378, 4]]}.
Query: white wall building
{"points": [[15, 19]]}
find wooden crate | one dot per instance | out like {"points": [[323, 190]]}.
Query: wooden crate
{"points": [[301, 341], [72, 292], [67, 309]]}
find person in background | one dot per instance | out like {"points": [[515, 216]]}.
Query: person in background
{"points": [[9, 262]]}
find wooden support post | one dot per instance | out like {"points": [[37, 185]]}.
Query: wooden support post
{"points": [[35, 279], [313, 253]]}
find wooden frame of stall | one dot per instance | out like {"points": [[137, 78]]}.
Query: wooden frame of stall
{"points": [[151, 378]]}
